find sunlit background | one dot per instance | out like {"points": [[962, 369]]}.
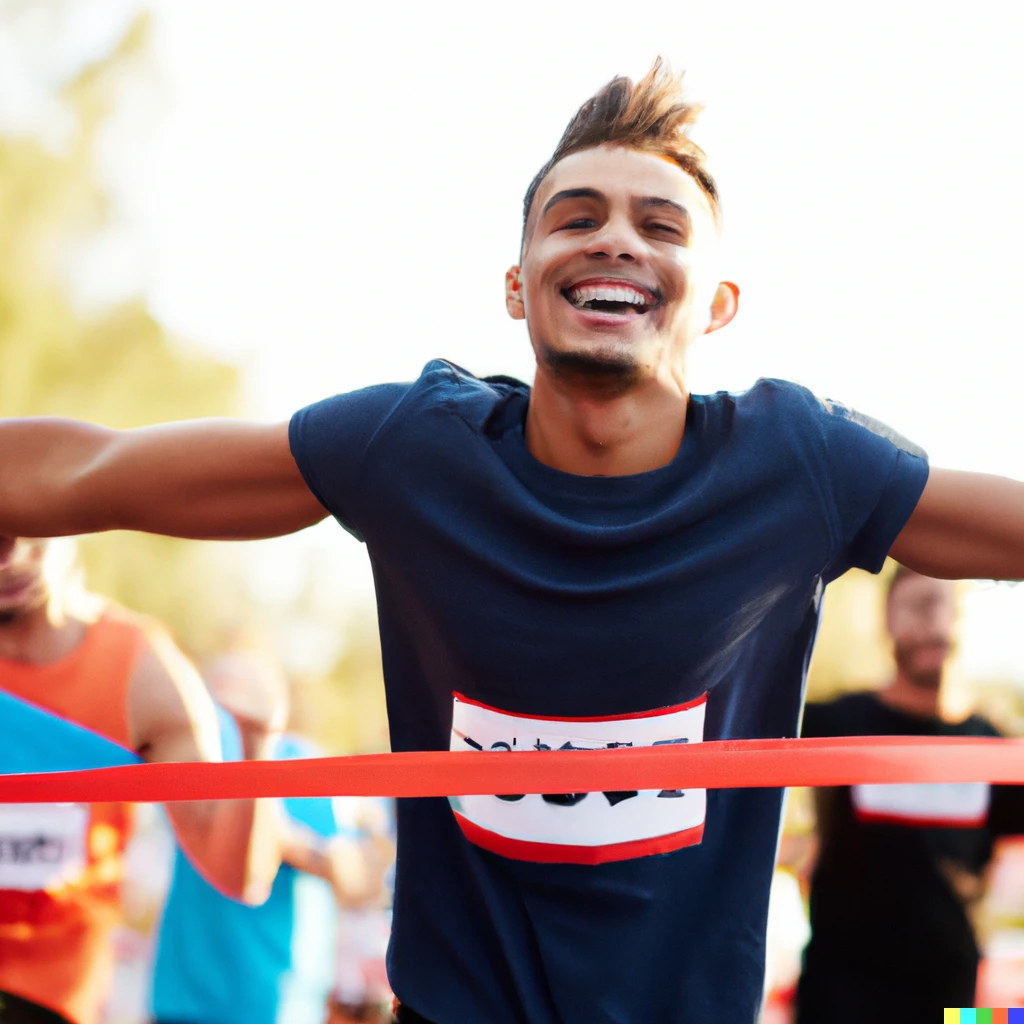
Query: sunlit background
{"points": [[226, 208]]}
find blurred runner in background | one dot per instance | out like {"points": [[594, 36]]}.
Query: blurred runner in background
{"points": [[361, 993], [221, 962], [900, 867], [122, 678]]}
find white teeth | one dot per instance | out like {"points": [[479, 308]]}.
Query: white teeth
{"points": [[606, 293]]}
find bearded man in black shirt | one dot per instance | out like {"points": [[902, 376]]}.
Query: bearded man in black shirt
{"points": [[900, 866]]}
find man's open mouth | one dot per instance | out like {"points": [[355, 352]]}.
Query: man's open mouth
{"points": [[622, 299]]}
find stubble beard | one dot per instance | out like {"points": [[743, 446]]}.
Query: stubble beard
{"points": [[37, 600], [928, 679], [605, 373]]}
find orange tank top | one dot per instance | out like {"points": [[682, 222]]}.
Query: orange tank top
{"points": [[55, 932]]}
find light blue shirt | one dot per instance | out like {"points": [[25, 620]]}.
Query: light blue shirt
{"points": [[221, 962]]}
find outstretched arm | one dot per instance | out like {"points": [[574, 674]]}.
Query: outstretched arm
{"points": [[206, 479], [965, 526]]}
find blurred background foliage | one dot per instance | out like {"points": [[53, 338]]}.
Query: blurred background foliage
{"points": [[118, 366]]}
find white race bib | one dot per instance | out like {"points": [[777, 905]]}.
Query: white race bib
{"points": [[42, 846], [935, 804], [579, 828]]}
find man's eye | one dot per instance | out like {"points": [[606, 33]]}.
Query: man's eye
{"points": [[671, 228], [581, 222]]}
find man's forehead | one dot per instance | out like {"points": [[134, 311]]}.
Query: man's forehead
{"points": [[617, 171]]}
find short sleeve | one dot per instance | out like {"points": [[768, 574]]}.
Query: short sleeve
{"points": [[874, 480], [330, 439]]}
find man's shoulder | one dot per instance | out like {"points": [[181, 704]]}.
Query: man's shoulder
{"points": [[791, 402], [781, 403], [472, 398], [843, 716], [442, 385], [979, 725], [117, 618]]}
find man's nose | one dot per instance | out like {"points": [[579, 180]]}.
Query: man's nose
{"points": [[617, 240]]}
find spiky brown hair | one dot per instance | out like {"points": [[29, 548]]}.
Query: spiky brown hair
{"points": [[650, 115]]}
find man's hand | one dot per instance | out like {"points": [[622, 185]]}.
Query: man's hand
{"points": [[358, 870], [355, 868]]}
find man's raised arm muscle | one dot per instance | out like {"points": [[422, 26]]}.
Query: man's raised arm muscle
{"points": [[965, 526], [204, 479]]}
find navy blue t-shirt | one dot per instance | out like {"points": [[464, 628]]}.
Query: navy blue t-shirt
{"points": [[523, 606]]}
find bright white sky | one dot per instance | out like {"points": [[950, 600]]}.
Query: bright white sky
{"points": [[330, 194]]}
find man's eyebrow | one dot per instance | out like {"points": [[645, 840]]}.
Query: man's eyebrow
{"points": [[670, 203], [572, 193]]}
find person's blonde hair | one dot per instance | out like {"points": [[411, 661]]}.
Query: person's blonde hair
{"points": [[651, 115]]}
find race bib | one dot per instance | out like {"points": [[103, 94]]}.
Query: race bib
{"points": [[42, 846], [579, 828], [939, 805]]}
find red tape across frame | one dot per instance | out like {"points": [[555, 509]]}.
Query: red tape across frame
{"points": [[721, 764]]}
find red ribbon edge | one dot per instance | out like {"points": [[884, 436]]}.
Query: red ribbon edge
{"points": [[720, 764]]}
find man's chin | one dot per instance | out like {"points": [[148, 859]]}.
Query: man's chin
{"points": [[18, 609], [926, 676], [610, 366]]}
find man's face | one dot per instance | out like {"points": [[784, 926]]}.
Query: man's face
{"points": [[921, 619], [616, 267], [23, 584]]}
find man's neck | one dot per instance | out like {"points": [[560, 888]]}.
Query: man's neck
{"points": [[593, 433], [41, 635], [912, 698]]}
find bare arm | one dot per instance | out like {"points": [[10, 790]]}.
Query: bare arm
{"points": [[355, 868], [235, 844], [966, 526], [206, 479]]}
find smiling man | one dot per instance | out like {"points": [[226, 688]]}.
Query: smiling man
{"points": [[603, 559]]}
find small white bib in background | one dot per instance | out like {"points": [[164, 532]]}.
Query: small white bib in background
{"points": [[42, 846], [935, 804]]}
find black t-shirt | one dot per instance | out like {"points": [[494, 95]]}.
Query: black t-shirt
{"points": [[889, 892], [522, 607]]}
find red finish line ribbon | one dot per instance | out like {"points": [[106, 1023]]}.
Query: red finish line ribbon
{"points": [[719, 764]]}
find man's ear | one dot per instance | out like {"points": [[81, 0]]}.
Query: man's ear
{"points": [[723, 306], [514, 294]]}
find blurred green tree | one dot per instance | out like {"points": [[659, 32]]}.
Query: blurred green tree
{"points": [[117, 367]]}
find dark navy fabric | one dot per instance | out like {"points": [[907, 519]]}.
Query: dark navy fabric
{"points": [[544, 593]]}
